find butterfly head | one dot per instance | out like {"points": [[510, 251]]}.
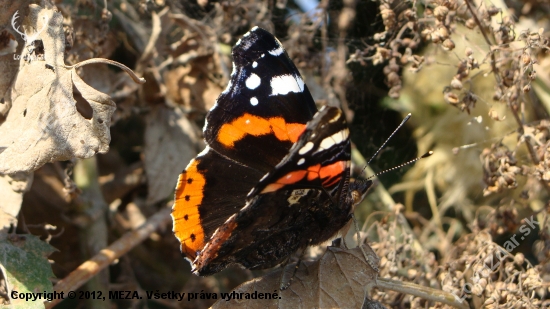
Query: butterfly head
{"points": [[358, 189]]}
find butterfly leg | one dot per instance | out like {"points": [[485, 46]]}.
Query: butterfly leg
{"points": [[287, 285]]}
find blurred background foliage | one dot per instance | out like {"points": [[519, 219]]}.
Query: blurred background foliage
{"points": [[474, 75]]}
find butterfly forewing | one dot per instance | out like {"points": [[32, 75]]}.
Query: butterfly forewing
{"points": [[265, 107]]}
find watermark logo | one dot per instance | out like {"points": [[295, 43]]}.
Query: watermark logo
{"points": [[29, 39], [489, 265]]}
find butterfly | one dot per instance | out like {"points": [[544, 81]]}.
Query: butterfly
{"points": [[274, 177]]}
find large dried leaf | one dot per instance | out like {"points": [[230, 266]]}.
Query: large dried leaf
{"points": [[171, 141], [54, 115], [10, 43], [339, 279], [24, 262]]}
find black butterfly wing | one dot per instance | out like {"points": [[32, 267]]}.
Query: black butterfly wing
{"points": [[252, 126], [265, 107], [304, 200]]}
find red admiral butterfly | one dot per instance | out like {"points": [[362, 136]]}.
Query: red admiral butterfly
{"points": [[275, 174]]}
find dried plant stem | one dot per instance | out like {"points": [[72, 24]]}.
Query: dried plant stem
{"points": [[486, 37], [135, 78], [421, 291], [511, 105], [387, 199], [93, 235], [106, 256], [527, 142]]}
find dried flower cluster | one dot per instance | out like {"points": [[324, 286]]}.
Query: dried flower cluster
{"points": [[499, 169], [477, 271], [541, 137], [489, 275]]}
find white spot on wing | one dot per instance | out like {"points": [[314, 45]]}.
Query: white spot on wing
{"points": [[332, 140], [254, 64], [300, 82], [296, 195], [204, 151], [253, 81], [233, 73], [326, 144], [283, 84], [253, 29], [247, 121], [228, 87], [277, 51], [205, 124], [301, 161], [254, 101], [306, 148], [336, 117]]}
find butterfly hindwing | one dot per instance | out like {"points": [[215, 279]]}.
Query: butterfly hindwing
{"points": [[207, 194], [295, 211]]}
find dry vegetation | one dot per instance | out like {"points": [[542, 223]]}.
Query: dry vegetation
{"points": [[89, 153]]}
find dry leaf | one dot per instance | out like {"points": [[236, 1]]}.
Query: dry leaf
{"points": [[11, 43], [339, 279], [189, 85], [171, 141], [55, 115]]}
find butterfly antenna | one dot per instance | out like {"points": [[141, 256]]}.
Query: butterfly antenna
{"points": [[427, 154], [388, 139]]}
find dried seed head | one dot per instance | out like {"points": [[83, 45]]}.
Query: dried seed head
{"points": [[443, 32], [451, 98], [441, 12], [448, 44], [526, 58], [426, 34], [434, 36], [388, 17], [410, 15], [493, 10], [456, 84], [471, 23]]}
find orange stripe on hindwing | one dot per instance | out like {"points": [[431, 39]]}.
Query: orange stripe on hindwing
{"points": [[249, 124], [185, 212], [330, 174]]}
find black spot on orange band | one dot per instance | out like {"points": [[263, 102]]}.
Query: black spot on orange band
{"points": [[185, 212]]}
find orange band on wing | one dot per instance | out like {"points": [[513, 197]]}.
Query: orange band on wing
{"points": [[331, 174], [249, 124], [185, 212], [333, 170]]}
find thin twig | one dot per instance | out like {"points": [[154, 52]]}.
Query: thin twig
{"points": [[105, 257], [421, 291], [486, 37]]}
